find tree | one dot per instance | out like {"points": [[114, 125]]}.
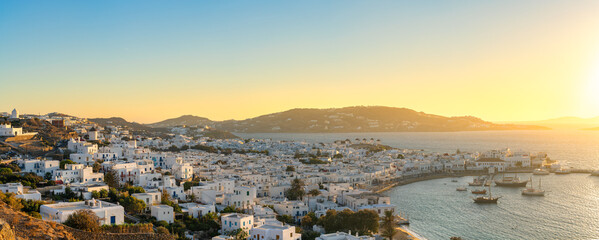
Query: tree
{"points": [[162, 230], [286, 219], [364, 222], [296, 192], [290, 169], [96, 167], [388, 228], [111, 179], [95, 194], [314, 192], [83, 219], [309, 220], [239, 234], [132, 204], [48, 176], [103, 193], [64, 163]]}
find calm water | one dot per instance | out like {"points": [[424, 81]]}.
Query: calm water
{"points": [[570, 209], [579, 149]]}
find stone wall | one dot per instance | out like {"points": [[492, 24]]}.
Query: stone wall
{"points": [[78, 234]]}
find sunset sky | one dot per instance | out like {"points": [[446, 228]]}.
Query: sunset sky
{"points": [[151, 60]]}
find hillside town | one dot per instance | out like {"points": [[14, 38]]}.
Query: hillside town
{"points": [[209, 188]]}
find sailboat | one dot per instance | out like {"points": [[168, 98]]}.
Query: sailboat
{"points": [[486, 199], [532, 191]]}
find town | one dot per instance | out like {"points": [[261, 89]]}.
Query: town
{"points": [[189, 187]]}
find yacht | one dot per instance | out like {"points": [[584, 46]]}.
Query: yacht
{"points": [[511, 182], [479, 191], [479, 181], [540, 171], [461, 189], [532, 191]]}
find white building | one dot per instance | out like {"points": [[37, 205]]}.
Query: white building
{"points": [[78, 173], [20, 192], [14, 114], [163, 213], [108, 213], [271, 231], [39, 167], [233, 221], [6, 130], [150, 198], [242, 197], [196, 210]]}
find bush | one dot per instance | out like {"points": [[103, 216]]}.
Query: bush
{"points": [[162, 230], [83, 219]]}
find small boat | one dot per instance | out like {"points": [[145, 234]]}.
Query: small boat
{"points": [[461, 189], [454, 180], [511, 182], [562, 171], [479, 181], [532, 191], [540, 171], [595, 173], [479, 191], [486, 199]]}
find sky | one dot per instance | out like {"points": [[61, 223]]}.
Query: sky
{"points": [[149, 60]]}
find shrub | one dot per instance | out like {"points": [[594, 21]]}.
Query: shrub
{"points": [[83, 219]]}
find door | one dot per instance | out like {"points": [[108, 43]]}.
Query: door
{"points": [[113, 220]]}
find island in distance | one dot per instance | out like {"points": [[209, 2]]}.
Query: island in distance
{"points": [[348, 119]]}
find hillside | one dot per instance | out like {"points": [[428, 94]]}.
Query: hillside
{"points": [[185, 120], [362, 119]]}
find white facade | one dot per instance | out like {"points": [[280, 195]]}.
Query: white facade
{"points": [[233, 221], [271, 231], [6, 130], [39, 167], [108, 213], [163, 213]]}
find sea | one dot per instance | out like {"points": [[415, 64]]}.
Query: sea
{"points": [[569, 210]]}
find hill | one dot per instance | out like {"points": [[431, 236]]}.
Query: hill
{"points": [[117, 121], [362, 119], [185, 120], [565, 123]]}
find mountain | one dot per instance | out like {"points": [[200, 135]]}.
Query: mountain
{"points": [[117, 121], [361, 119], [187, 120], [565, 123]]}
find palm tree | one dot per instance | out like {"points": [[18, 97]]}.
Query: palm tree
{"points": [[388, 227]]}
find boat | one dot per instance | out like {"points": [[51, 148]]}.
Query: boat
{"points": [[595, 173], [479, 181], [479, 191], [461, 189], [562, 171], [454, 180], [486, 199], [532, 191], [540, 171], [511, 182]]}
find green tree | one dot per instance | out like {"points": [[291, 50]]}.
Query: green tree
{"points": [[388, 229], [239, 234], [95, 194], [296, 192], [309, 220], [63, 163], [83, 219], [286, 219], [162, 230], [314, 192], [111, 179], [132, 204], [103, 193]]}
